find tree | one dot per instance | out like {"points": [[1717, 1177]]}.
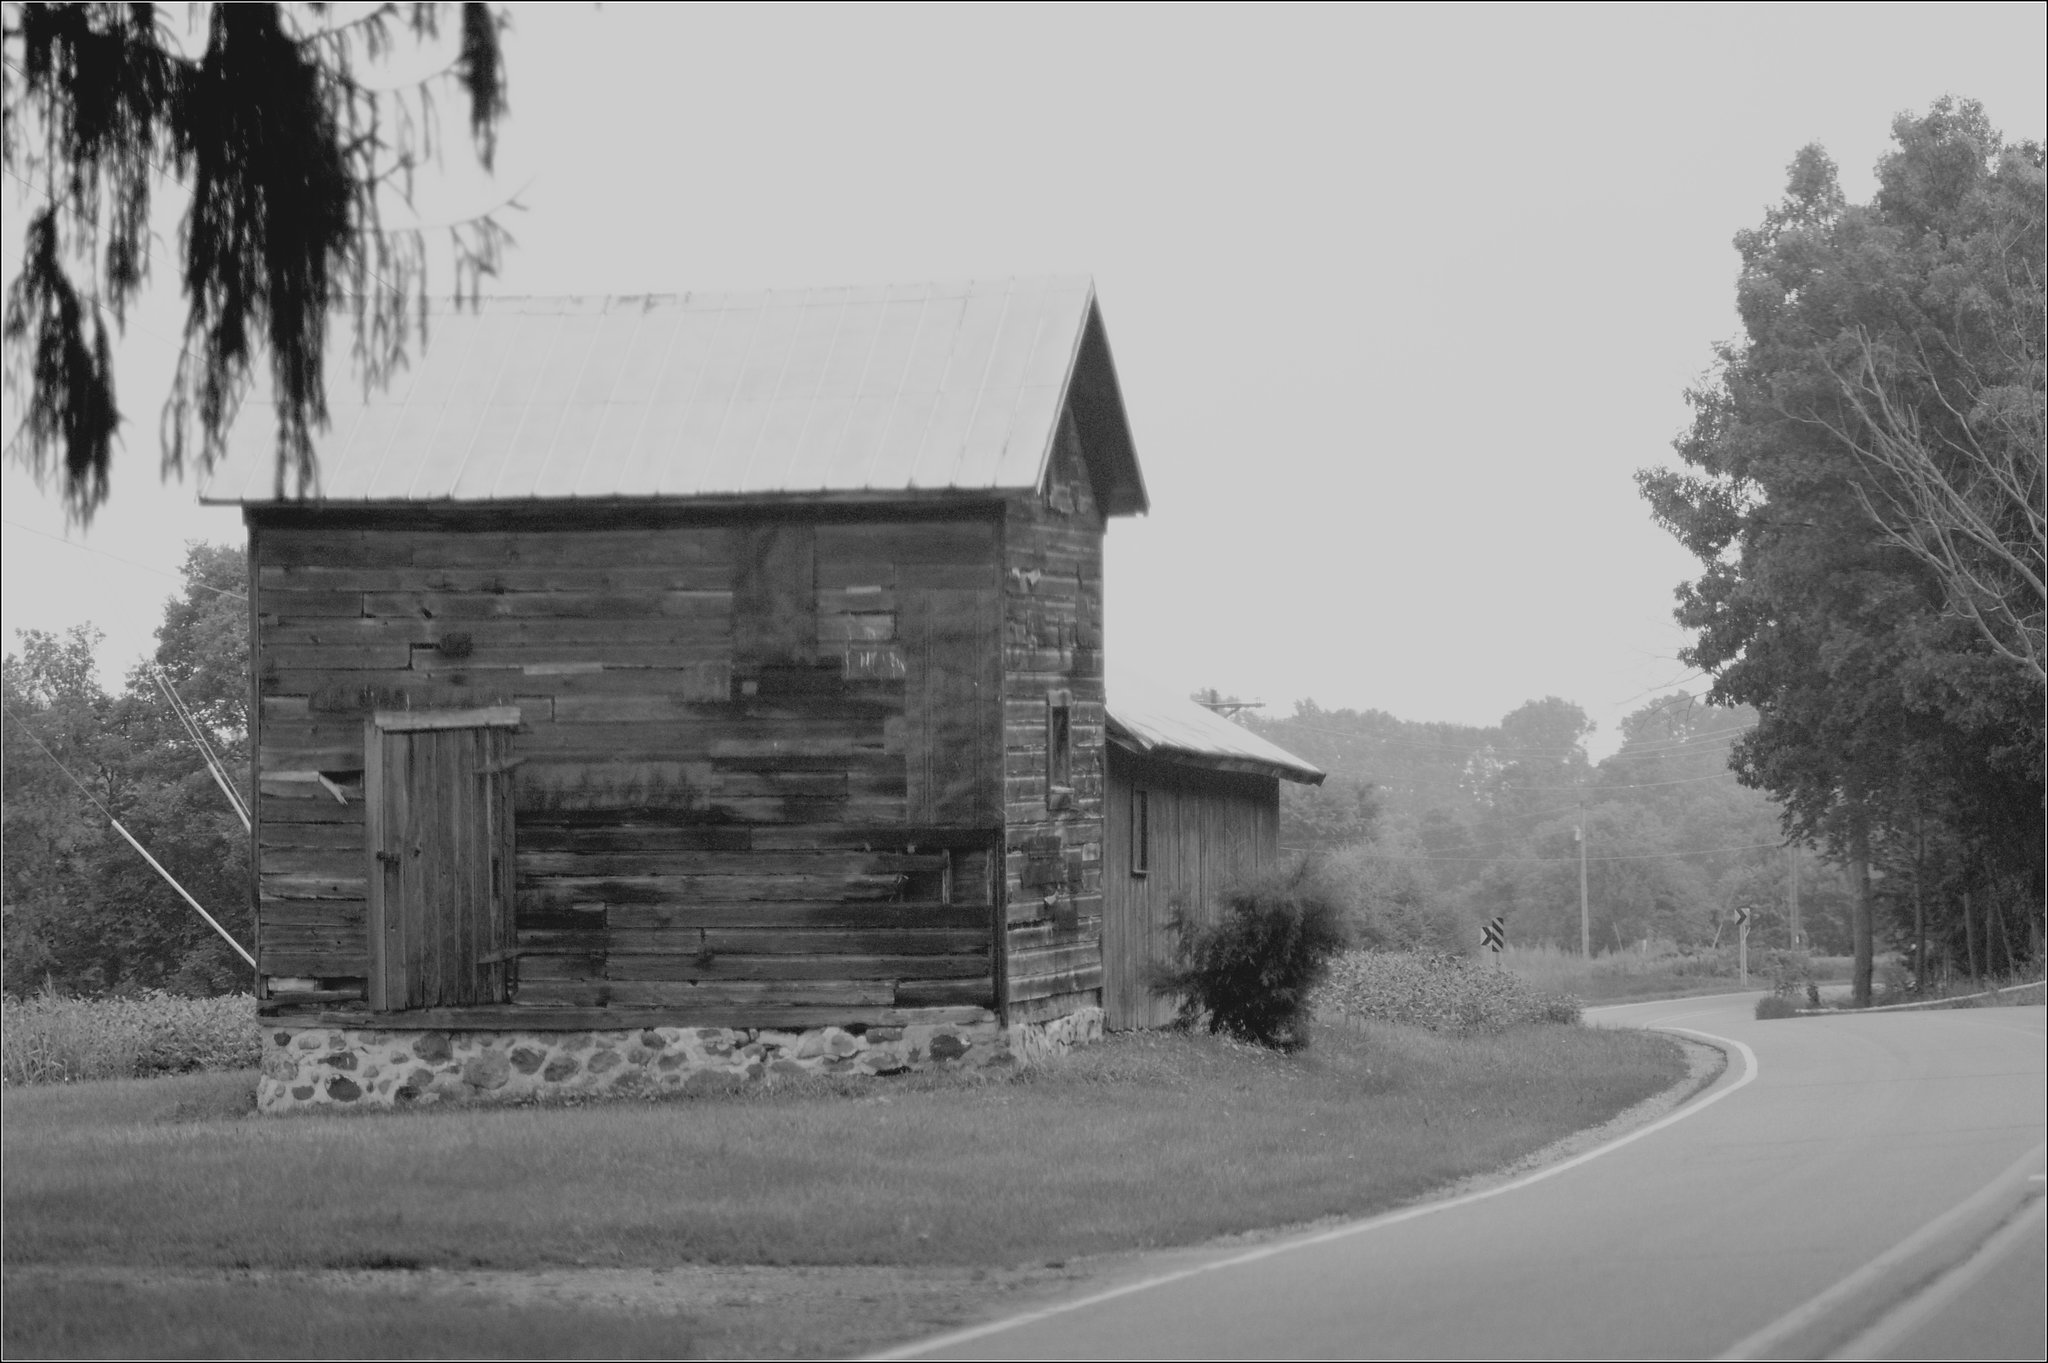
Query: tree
{"points": [[82, 910], [1943, 407], [1323, 818], [292, 162], [1886, 686]]}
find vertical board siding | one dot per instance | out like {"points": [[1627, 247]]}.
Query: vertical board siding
{"points": [[1208, 828], [1052, 642], [712, 798], [952, 653]]}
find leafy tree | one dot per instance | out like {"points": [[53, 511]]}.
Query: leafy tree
{"points": [[82, 910], [1392, 902], [1323, 818], [1542, 748], [1889, 688], [291, 160], [1476, 822]]}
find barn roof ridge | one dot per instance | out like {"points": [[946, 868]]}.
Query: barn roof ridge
{"points": [[717, 394]]}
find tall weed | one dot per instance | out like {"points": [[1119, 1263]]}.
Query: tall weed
{"points": [[49, 1039]]}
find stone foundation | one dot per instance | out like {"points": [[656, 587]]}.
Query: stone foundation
{"points": [[307, 1067]]}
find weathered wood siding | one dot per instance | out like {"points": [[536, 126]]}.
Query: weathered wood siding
{"points": [[1206, 827], [759, 762], [1052, 646]]}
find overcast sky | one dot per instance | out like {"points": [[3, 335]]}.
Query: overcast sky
{"points": [[1400, 297]]}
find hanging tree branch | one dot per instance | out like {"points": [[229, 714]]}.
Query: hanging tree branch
{"points": [[287, 157]]}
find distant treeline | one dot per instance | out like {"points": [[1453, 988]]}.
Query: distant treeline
{"points": [[1441, 826]]}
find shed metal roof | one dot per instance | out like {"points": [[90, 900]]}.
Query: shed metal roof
{"points": [[878, 390], [1155, 722]]}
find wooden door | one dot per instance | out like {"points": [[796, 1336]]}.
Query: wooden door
{"points": [[439, 793]]}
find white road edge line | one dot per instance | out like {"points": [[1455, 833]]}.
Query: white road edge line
{"points": [[1812, 1312], [1343, 1232], [1895, 1327]]}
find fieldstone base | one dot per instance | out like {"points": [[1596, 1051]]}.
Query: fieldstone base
{"points": [[324, 1066]]}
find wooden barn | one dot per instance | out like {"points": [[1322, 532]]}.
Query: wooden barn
{"points": [[667, 684], [1192, 801]]}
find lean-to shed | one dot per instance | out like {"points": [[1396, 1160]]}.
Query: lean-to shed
{"points": [[1192, 803], [713, 680]]}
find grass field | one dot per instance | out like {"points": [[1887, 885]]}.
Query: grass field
{"points": [[1147, 1140], [1624, 976]]}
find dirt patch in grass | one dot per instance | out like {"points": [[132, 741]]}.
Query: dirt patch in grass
{"points": [[810, 1220]]}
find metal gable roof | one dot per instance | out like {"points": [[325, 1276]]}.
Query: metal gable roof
{"points": [[898, 389], [1155, 722]]}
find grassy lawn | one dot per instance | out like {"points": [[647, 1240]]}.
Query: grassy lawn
{"points": [[1625, 977], [1147, 1140]]}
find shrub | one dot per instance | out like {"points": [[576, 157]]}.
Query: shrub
{"points": [[49, 1039], [1894, 981], [1391, 904], [1252, 971], [1789, 971], [1438, 991], [1775, 1006]]}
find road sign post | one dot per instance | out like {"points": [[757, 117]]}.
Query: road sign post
{"points": [[1496, 938], [1742, 944]]}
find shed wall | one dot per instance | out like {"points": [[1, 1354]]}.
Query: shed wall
{"points": [[1052, 648], [758, 772], [1206, 828]]}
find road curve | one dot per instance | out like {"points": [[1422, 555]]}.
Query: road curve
{"points": [[1858, 1183]]}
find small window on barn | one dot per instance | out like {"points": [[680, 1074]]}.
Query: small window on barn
{"points": [[1141, 832], [1059, 750], [927, 877]]}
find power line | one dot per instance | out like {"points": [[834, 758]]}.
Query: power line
{"points": [[147, 568], [155, 865], [1698, 742], [1595, 788], [1573, 860]]}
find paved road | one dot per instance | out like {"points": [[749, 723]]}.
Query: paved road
{"points": [[1861, 1183]]}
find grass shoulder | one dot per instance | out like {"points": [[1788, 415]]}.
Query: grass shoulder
{"points": [[1146, 1141]]}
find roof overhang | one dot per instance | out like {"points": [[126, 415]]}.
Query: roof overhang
{"points": [[1175, 729]]}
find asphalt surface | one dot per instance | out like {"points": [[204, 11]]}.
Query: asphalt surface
{"points": [[1851, 1186]]}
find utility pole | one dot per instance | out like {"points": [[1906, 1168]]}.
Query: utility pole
{"points": [[1793, 914], [1585, 918]]}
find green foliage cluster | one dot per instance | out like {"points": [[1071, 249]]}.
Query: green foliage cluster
{"points": [[1439, 991], [1772, 1006], [1392, 904], [47, 1038], [1472, 823], [83, 913], [1864, 491], [1251, 972]]}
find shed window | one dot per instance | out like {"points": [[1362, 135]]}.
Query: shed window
{"points": [[926, 878], [1141, 832], [1059, 750]]}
